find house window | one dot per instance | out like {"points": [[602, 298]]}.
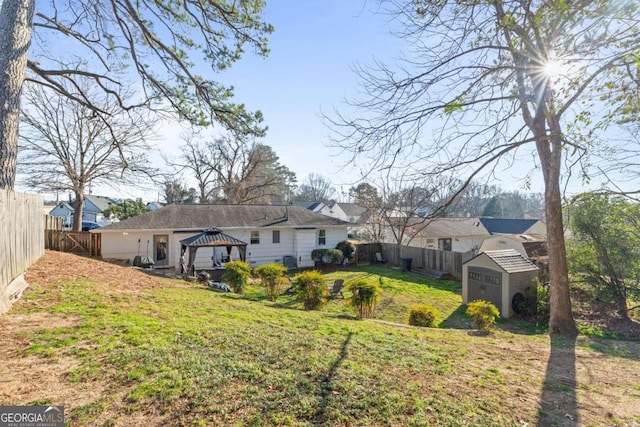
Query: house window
{"points": [[255, 237], [276, 236], [322, 237], [444, 244]]}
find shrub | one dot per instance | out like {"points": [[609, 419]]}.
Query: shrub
{"points": [[364, 296], [542, 304], [423, 315], [310, 289], [327, 256], [237, 274], [347, 248], [334, 256], [318, 255], [484, 314], [271, 276]]}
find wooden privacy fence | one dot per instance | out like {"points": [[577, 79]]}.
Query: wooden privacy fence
{"points": [[21, 243], [427, 259], [81, 243]]}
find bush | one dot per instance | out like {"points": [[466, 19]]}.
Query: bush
{"points": [[484, 314], [318, 255], [542, 304], [423, 315], [364, 296], [327, 256], [271, 276], [334, 256], [310, 289], [347, 248], [237, 274]]}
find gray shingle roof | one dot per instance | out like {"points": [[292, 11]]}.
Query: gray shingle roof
{"points": [[510, 260], [507, 226], [200, 217], [351, 209], [449, 227]]}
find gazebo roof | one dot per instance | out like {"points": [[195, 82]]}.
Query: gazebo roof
{"points": [[211, 237]]}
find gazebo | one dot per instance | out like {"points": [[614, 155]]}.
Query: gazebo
{"points": [[210, 238]]}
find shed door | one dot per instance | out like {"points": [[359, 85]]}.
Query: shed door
{"points": [[485, 284]]}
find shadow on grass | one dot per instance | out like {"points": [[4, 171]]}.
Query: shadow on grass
{"points": [[558, 403], [397, 274], [458, 319], [326, 387]]}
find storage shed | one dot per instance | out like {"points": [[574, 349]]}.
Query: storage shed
{"points": [[504, 277]]}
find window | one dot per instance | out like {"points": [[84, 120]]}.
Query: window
{"points": [[444, 244], [494, 280], [475, 276], [322, 237], [276, 236], [255, 237]]}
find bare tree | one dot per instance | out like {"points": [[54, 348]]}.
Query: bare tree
{"points": [[400, 207], [315, 188], [491, 81], [108, 43], [198, 159], [63, 146]]}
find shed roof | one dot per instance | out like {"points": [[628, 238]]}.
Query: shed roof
{"points": [[203, 216], [509, 260]]}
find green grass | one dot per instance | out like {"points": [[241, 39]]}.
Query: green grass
{"points": [[198, 357]]}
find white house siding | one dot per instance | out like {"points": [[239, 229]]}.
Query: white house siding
{"points": [[124, 245], [293, 242], [458, 244]]}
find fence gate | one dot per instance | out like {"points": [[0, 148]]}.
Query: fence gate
{"points": [[81, 243]]}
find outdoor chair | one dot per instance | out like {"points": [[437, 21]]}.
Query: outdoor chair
{"points": [[379, 258], [336, 289]]}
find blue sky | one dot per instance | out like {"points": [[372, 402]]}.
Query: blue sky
{"points": [[314, 47]]}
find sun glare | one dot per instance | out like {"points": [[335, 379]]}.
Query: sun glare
{"points": [[553, 68]]}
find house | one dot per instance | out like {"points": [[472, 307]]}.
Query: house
{"points": [[312, 206], [468, 234], [448, 234], [93, 209], [271, 232], [504, 278], [527, 245], [349, 212]]}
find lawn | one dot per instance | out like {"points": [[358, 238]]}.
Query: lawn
{"points": [[132, 349]]}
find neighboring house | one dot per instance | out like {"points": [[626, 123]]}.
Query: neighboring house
{"points": [[526, 245], [312, 206], [93, 209], [448, 234], [505, 278], [271, 232]]}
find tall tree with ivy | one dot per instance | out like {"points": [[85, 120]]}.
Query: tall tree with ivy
{"points": [[604, 251], [492, 82], [152, 43]]}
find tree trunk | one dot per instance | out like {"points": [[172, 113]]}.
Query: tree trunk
{"points": [[561, 320], [78, 207], [16, 18]]}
